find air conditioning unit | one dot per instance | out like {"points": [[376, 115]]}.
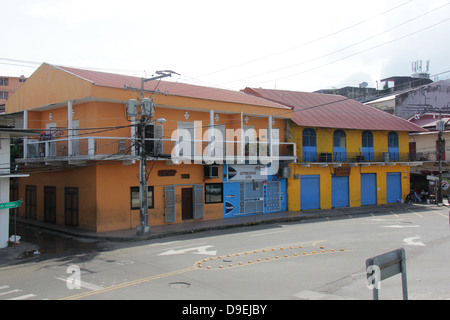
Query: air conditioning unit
{"points": [[211, 171], [286, 172]]}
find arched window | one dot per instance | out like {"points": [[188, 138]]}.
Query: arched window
{"points": [[393, 146], [309, 145], [367, 145], [339, 145]]}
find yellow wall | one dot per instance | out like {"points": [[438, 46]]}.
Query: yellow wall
{"points": [[354, 144], [354, 140], [354, 183]]}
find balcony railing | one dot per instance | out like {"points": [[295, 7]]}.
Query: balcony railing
{"points": [[126, 148], [355, 157]]}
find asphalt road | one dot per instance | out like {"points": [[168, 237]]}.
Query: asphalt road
{"points": [[308, 260]]}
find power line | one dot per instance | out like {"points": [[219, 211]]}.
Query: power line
{"points": [[307, 43]]}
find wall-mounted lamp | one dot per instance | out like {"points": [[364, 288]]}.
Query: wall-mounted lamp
{"points": [[246, 119], [50, 116], [186, 115], [217, 117]]}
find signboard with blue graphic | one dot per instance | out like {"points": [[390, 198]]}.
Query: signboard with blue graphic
{"points": [[247, 191]]}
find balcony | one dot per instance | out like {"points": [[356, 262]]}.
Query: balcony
{"points": [[364, 158], [81, 149]]}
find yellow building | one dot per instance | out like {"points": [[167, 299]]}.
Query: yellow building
{"points": [[348, 154]]}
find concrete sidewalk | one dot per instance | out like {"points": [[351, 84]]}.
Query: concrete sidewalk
{"points": [[14, 255]]}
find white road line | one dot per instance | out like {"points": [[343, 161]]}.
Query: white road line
{"points": [[266, 233], [83, 284], [23, 297], [11, 291]]}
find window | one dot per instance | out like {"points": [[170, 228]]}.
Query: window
{"points": [[213, 193], [367, 139], [30, 202], [393, 140], [339, 145], [154, 147], [367, 145], [393, 146], [309, 138], [339, 139], [136, 203], [3, 95], [309, 145], [4, 81]]}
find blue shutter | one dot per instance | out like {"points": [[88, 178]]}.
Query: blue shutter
{"points": [[393, 187], [309, 192], [368, 188], [339, 192]]}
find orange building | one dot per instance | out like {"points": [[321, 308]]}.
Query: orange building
{"points": [[8, 85], [85, 165]]}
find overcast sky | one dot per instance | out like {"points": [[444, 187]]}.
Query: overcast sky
{"points": [[283, 44]]}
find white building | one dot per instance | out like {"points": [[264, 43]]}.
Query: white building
{"points": [[6, 133]]}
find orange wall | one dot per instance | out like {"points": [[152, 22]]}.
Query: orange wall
{"points": [[81, 178], [113, 194]]}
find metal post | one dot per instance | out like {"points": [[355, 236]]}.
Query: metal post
{"points": [[144, 228]]}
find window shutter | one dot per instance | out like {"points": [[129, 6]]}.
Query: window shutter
{"points": [[169, 203], [199, 201]]}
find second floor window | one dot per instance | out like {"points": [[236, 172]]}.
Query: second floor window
{"points": [[367, 145], [393, 146], [309, 145], [339, 145]]}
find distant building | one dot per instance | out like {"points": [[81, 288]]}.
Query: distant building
{"points": [[8, 85], [360, 94], [426, 98]]}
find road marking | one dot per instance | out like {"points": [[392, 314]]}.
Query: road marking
{"points": [[400, 227], [411, 241], [127, 284], [441, 214], [11, 291], [266, 233], [396, 215], [416, 213], [83, 284], [23, 297], [198, 250]]}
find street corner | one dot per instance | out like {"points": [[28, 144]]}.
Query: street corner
{"points": [[19, 253]]}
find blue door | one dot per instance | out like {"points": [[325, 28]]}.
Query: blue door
{"points": [[309, 192], [368, 188], [393, 187], [339, 192]]}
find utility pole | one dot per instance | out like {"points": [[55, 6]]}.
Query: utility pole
{"points": [[146, 113]]}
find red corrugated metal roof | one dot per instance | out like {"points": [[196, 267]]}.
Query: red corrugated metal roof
{"points": [[333, 111], [173, 88]]}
